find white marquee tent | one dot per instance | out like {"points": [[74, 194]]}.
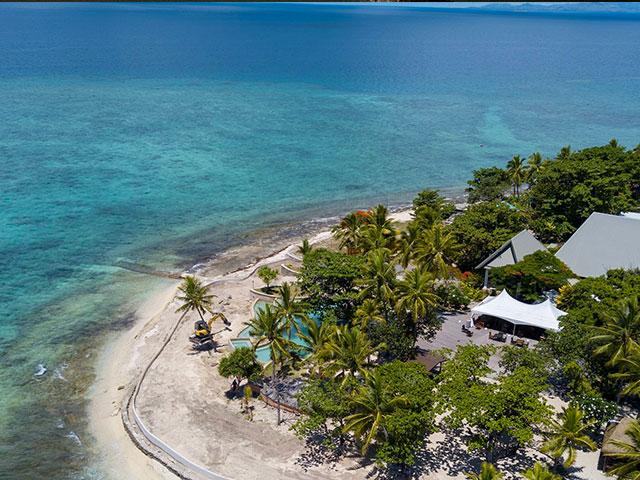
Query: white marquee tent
{"points": [[542, 315]]}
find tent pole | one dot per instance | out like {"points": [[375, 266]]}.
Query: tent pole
{"points": [[514, 330]]}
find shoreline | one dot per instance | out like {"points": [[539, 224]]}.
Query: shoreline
{"points": [[183, 388], [115, 368], [125, 354]]}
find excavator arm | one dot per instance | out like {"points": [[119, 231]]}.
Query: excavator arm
{"points": [[217, 316]]}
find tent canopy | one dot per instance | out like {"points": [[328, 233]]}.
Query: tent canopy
{"points": [[542, 315]]}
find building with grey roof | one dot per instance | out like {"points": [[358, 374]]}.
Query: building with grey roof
{"points": [[511, 251], [603, 242]]}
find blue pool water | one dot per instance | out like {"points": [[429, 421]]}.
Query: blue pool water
{"points": [[263, 354], [158, 134]]}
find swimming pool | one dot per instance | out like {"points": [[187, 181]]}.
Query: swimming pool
{"points": [[263, 354]]}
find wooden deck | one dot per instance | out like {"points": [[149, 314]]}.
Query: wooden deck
{"points": [[451, 335]]}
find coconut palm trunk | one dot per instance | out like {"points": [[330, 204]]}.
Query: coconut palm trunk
{"points": [[276, 391]]}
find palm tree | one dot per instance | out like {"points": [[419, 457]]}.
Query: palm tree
{"points": [[379, 278], [372, 406], [540, 472], [269, 328], [629, 372], [408, 240], [379, 218], [368, 312], [517, 171], [415, 294], [565, 152], [317, 337], [289, 308], [194, 296], [377, 232], [487, 472], [534, 166], [628, 460], [348, 351], [569, 433], [618, 336], [374, 237], [305, 248], [348, 232], [437, 251]]}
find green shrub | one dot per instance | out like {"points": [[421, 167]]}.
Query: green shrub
{"points": [[407, 427], [590, 299], [482, 229], [241, 363], [512, 358], [530, 277], [488, 184], [596, 409], [576, 184], [329, 280], [397, 343], [452, 297], [267, 275], [472, 292]]}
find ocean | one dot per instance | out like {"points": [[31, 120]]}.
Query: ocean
{"points": [[158, 135]]}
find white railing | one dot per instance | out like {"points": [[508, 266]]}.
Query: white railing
{"points": [[154, 439], [131, 403]]}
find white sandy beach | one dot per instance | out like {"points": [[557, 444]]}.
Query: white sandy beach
{"points": [[118, 365]]}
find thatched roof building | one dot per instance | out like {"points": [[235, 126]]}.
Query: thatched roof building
{"points": [[615, 432]]}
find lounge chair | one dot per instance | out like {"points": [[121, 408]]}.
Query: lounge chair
{"points": [[498, 336], [519, 342]]}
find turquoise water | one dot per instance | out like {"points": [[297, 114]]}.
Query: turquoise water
{"points": [[157, 135], [263, 354]]}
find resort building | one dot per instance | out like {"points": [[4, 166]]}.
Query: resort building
{"points": [[603, 242], [511, 251], [615, 432]]}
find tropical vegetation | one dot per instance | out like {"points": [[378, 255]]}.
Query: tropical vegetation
{"points": [[360, 309], [194, 297]]}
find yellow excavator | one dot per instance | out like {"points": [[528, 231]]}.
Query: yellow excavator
{"points": [[202, 337]]}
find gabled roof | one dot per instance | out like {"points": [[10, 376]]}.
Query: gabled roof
{"points": [[513, 250], [601, 243], [542, 315]]}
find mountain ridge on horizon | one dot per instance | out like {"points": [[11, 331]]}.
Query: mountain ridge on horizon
{"points": [[564, 7]]}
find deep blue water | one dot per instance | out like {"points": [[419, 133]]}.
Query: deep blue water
{"points": [[157, 134]]}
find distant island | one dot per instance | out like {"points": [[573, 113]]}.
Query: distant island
{"points": [[566, 7], [543, 7]]}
